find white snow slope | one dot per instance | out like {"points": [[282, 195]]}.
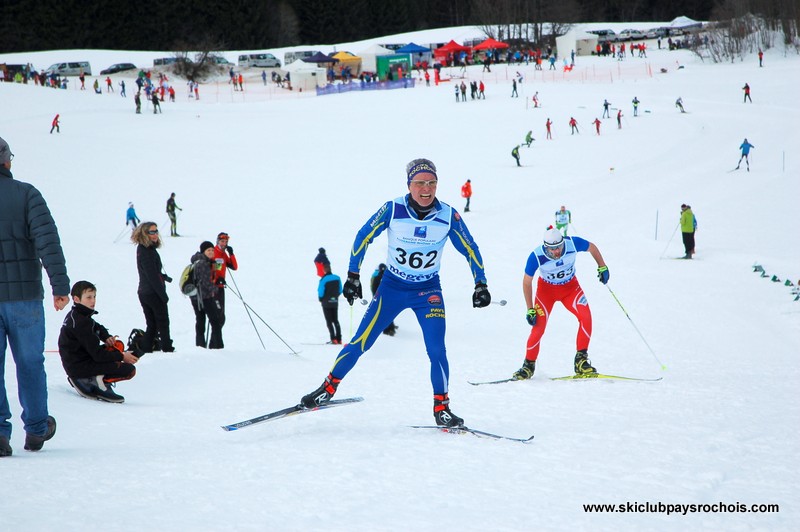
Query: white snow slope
{"points": [[285, 173]]}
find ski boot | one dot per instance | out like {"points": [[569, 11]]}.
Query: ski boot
{"points": [[321, 395], [526, 371], [583, 365], [441, 412]]}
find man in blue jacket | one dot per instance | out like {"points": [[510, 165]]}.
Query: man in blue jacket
{"points": [[28, 241], [418, 227]]}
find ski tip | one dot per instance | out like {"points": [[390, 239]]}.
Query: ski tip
{"points": [[227, 428]]}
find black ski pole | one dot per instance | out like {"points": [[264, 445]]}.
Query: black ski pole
{"points": [[250, 309], [236, 292]]}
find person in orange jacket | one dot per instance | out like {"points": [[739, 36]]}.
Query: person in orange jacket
{"points": [[466, 192], [223, 259]]}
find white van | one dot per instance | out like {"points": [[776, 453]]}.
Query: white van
{"points": [[70, 69], [258, 60]]}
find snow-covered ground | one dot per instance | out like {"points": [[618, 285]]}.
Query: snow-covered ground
{"points": [[286, 175]]}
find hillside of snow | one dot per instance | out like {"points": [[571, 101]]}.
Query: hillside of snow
{"points": [[285, 173]]}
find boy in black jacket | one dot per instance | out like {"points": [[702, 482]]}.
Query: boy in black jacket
{"points": [[92, 358]]}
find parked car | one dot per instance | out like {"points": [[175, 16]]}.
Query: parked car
{"points": [[70, 69], [259, 60], [219, 60], [118, 67], [604, 35], [630, 35], [655, 33]]}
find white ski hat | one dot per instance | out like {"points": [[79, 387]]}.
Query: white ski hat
{"points": [[553, 238]]}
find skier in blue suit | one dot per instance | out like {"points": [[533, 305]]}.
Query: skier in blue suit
{"points": [[131, 218], [418, 227], [745, 147]]}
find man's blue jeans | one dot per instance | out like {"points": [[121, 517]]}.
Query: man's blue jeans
{"points": [[22, 329]]}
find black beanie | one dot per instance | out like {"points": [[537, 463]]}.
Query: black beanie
{"points": [[205, 245]]}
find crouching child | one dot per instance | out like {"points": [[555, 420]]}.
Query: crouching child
{"points": [[92, 358]]}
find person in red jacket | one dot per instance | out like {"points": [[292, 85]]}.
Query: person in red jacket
{"points": [[223, 259], [746, 90], [466, 192], [55, 125], [597, 125]]}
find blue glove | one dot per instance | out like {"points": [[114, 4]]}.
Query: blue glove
{"points": [[481, 297], [602, 274], [352, 288], [531, 317]]}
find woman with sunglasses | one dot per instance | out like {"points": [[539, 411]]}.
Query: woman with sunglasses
{"points": [[152, 288]]}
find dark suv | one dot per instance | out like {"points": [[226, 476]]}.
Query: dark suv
{"points": [[118, 67]]}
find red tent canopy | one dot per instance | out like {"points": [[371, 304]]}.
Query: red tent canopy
{"points": [[489, 44], [452, 46]]}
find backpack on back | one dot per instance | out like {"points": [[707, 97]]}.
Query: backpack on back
{"points": [[187, 282]]}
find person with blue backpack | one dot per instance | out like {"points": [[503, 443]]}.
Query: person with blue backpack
{"points": [[329, 290]]}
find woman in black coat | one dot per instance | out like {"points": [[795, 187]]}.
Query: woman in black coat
{"points": [[152, 288]]}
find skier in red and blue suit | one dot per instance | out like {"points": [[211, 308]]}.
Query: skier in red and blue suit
{"points": [[555, 262], [418, 227]]}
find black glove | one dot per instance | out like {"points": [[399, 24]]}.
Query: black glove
{"points": [[167, 278], [352, 288], [481, 297], [229, 250], [221, 282], [602, 274], [531, 317]]}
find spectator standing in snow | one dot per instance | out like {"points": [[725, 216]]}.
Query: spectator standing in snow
{"points": [[606, 112], [547, 125], [463, 92], [156, 103], [130, 217], [329, 290], [205, 300], [466, 192], [688, 226], [320, 261], [619, 118], [137, 99], [746, 90], [419, 225], [760, 58], [109, 84], [55, 125], [173, 216], [481, 88], [224, 259], [635, 106], [24, 254], [122, 89], [456, 87], [745, 147], [514, 89], [555, 262], [152, 289]]}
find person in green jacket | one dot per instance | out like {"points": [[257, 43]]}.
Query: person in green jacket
{"points": [[515, 154], [529, 138], [688, 227]]}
